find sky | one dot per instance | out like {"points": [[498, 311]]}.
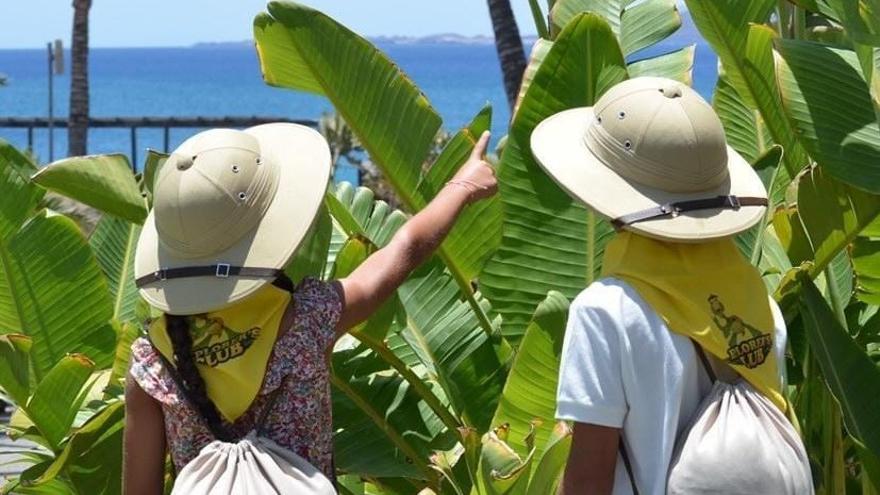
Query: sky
{"points": [[126, 23]]}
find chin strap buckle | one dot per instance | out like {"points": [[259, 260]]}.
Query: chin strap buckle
{"points": [[222, 270]]}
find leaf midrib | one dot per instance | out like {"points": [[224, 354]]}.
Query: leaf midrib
{"points": [[123, 275]]}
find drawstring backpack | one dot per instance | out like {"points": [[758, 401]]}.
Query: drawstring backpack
{"points": [[253, 465], [738, 443]]}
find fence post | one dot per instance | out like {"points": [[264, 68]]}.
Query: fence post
{"points": [[134, 148]]}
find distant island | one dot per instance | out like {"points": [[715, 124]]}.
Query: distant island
{"points": [[434, 39], [686, 34]]}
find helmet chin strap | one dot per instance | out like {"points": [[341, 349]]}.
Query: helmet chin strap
{"points": [[219, 270], [674, 209]]}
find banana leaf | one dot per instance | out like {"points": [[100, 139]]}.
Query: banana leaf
{"points": [[829, 216], [113, 242], [861, 18], [849, 373], [768, 166], [829, 104], [646, 23], [551, 464], [744, 128], [636, 24], [105, 182], [380, 430], [15, 367], [676, 65], [311, 257], [57, 398], [19, 197], [449, 341], [744, 48], [301, 48], [52, 289], [528, 401], [549, 241]]}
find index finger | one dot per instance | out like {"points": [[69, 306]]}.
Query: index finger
{"points": [[482, 143]]}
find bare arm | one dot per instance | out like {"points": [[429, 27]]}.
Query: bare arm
{"points": [[368, 286], [144, 443], [591, 462]]}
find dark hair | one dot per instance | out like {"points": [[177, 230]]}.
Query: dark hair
{"points": [[182, 342]]}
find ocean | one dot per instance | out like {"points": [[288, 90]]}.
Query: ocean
{"points": [[218, 80]]}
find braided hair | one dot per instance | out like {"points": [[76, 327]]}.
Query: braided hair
{"points": [[181, 342]]}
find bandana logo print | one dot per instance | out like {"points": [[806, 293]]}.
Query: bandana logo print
{"points": [[210, 351], [747, 346]]}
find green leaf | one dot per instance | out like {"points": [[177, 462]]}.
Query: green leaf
{"points": [[126, 336], [359, 214], [849, 373], [19, 196], [353, 253], [501, 468], [380, 431], [751, 241], [676, 65], [15, 366], [866, 263], [57, 397], [829, 103], [744, 47], [646, 23], [637, 24], [105, 182], [540, 21], [536, 57], [310, 258], [551, 464], [114, 242], [301, 48], [725, 25], [829, 216], [152, 164], [93, 456], [564, 11], [743, 126], [549, 241], [529, 395], [861, 18], [52, 289], [446, 336]]}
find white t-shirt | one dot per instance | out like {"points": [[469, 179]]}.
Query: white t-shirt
{"points": [[623, 368]]}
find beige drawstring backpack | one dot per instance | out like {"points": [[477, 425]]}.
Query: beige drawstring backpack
{"points": [[253, 465], [738, 443]]}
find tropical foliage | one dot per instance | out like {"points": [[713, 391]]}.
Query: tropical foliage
{"points": [[450, 387]]}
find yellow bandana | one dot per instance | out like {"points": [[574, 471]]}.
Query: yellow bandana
{"points": [[707, 292], [232, 347]]}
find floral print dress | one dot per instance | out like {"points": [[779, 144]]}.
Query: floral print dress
{"points": [[301, 419]]}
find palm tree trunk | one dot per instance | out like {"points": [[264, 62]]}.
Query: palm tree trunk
{"points": [[78, 124], [509, 46]]}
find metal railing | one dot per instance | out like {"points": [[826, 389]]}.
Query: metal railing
{"points": [[135, 123]]}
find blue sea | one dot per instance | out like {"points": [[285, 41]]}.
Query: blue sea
{"points": [[218, 80]]}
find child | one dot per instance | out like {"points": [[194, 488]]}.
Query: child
{"points": [[230, 210], [651, 156]]}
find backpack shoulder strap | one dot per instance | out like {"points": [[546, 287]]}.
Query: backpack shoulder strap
{"points": [[270, 404], [628, 465], [705, 360]]}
